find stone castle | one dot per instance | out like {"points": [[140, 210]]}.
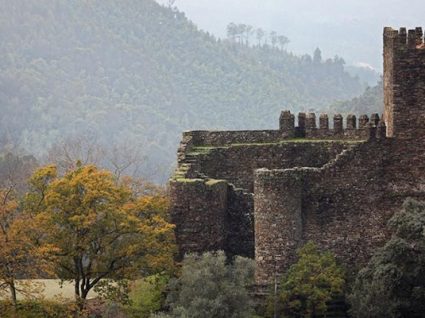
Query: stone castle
{"points": [[263, 194]]}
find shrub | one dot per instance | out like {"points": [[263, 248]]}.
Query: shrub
{"points": [[309, 284], [147, 296], [211, 287], [36, 309], [393, 282]]}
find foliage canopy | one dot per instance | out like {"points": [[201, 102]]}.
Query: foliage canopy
{"points": [[310, 283], [210, 287], [393, 282], [102, 231]]}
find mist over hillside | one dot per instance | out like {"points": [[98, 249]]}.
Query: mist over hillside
{"points": [[349, 28], [137, 74]]}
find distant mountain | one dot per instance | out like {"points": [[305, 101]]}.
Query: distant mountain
{"points": [[365, 73], [371, 101], [135, 72], [348, 28]]}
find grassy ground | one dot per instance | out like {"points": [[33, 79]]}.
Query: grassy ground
{"points": [[51, 290]]}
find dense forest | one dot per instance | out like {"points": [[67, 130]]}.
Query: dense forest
{"points": [[137, 74], [371, 101]]}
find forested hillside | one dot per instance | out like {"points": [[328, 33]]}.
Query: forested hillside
{"points": [[371, 101], [132, 72]]}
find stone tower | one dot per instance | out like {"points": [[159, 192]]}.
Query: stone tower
{"points": [[404, 83]]}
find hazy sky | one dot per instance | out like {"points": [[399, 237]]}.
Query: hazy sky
{"points": [[349, 28]]}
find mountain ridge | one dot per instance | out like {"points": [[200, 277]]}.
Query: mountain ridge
{"points": [[140, 73]]}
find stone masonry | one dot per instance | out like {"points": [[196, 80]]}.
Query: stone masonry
{"points": [[263, 194]]}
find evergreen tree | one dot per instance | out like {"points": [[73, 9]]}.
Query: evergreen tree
{"points": [[317, 56], [393, 283]]}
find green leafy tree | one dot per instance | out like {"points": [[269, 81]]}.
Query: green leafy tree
{"points": [[310, 284], [209, 287], [148, 295], [393, 283], [103, 233]]}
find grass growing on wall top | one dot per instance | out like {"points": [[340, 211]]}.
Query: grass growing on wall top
{"points": [[199, 150]]}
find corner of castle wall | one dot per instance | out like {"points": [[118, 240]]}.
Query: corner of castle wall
{"points": [[198, 209]]}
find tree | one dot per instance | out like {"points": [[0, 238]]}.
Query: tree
{"points": [[241, 31], [232, 31], [125, 158], [283, 41], [310, 283], [171, 3], [19, 256], [15, 171], [260, 35], [273, 38], [103, 232], [85, 149], [209, 287], [248, 32], [393, 282], [317, 56], [148, 295]]}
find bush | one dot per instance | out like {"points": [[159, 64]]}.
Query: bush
{"points": [[36, 309], [393, 282], [147, 296], [211, 287], [309, 284]]}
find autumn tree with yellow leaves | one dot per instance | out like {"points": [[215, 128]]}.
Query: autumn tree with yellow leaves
{"points": [[20, 256], [102, 230]]}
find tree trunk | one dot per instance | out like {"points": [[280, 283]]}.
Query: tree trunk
{"points": [[84, 294], [13, 294], [13, 297], [78, 299]]}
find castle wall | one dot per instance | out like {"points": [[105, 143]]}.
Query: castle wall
{"points": [[212, 215], [222, 218], [199, 212], [310, 126], [346, 204], [240, 223], [236, 164], [343, 207]]}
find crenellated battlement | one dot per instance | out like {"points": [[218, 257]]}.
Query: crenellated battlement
{"points": [[404, 39], [308, 126]]}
